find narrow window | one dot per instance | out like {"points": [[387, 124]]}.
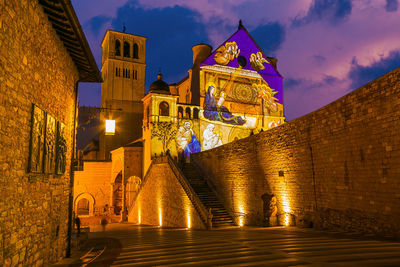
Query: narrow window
{"points": [[188, 113], [195, 113], [127, 49], [123, 73], [117, 48], [164, 109], [135, 74], [116, 72], [180, 112], [135, 50]]}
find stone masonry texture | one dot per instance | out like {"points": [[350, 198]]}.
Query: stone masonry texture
{"points": [[335, 168], [35, 68], [162, 198]]}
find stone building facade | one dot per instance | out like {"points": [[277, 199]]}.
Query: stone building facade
{"points": [[43, 56]]}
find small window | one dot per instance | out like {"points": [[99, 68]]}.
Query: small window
{"points": [[117, 48], [127, 49], [195, 113], [188, 113], [123, 73], [135, 74], [180, 112], [164, 109], [135, 50]]}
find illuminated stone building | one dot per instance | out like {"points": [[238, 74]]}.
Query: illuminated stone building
{"points": [[230, 93], [44, 55]]}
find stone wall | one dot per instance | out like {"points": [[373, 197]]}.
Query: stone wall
{"points": [[338, 167], [162, 200], [94, 184], [35, 68]]}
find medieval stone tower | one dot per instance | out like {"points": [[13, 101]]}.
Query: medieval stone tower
{"points": [[123, 70]]}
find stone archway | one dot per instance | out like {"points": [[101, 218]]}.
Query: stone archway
{"points": [[84, 204], [132, 188], [117, 196]]}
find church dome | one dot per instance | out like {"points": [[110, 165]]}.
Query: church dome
{"points": [[159, 86]]}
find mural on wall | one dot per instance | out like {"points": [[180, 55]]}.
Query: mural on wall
{"points": [[266, 94], [38, 128], [50, 145], [61, 148], [164, 132], [211, 138], [257, 61], [215, 111], [226, 53], [186, 141], [47, 145]]}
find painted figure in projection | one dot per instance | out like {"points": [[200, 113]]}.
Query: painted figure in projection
{"points": [[186, 141], [226, 53], [211, 139], [216, 112], [257, 61]]}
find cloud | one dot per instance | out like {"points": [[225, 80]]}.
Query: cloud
{"points": [[269, 37], [360, 75], [97, 23], [391, 5], [332, 11]]}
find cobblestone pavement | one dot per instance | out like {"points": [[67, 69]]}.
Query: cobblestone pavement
{"points": [[151, 246]]}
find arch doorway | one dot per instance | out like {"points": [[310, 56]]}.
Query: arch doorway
{"points": [[82, 207], [117, 194]]}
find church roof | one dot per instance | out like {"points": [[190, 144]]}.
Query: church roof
{"points": [[159, 86], [240, 51]]}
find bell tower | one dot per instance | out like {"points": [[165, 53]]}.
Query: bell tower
{"points": [[123, 72]]}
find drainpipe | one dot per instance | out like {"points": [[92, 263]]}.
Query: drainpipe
{"points": [[71, 182]]}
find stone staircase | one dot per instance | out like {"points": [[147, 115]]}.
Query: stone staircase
{"points": [[221, 217]]}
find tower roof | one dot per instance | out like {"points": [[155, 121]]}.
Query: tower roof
{"points": [[159, 86]]}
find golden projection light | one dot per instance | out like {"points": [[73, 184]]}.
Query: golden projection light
{"points": [[110, 127], [160, 217]]}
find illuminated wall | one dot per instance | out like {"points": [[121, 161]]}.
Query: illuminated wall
{"points": [[163, 202], [240, 94], [337, 167]]}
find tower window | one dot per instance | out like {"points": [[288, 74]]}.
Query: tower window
{"points": [[135, 50], [127, 49], [123, 73], [164, 109], [135, 74], [117, 48]]}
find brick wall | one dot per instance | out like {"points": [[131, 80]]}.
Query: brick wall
{"points": [[35, 68], [162, 199], [338, 167]]}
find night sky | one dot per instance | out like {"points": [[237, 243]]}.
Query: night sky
{"points": [[325, 48]]}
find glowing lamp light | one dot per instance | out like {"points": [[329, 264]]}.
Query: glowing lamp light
{"points": [[139, 217], [110, 127]]}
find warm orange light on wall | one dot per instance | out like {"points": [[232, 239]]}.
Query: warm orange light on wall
{"points": [[189, 221], [241, 216], [139, 216], [110, 127], [160, 216]]}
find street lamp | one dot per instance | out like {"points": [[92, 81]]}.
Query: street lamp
{"points": [[110, 127]]}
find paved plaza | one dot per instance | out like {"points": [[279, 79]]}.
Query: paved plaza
{"points": [[131, 245]]}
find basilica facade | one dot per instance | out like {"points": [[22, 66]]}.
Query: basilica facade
{"points": [[229, 94]]}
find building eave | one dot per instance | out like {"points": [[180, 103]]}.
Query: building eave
{"points": [[63, 18]]}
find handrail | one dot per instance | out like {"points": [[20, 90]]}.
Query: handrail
{"points": [[202, 210]]}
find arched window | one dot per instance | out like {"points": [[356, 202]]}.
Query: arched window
{"points": [[188, 113], [117, 48], [127, 49], [163, 109], [83, 207], [135, 50], [195, 113], [123, 73], [180, 112]]}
